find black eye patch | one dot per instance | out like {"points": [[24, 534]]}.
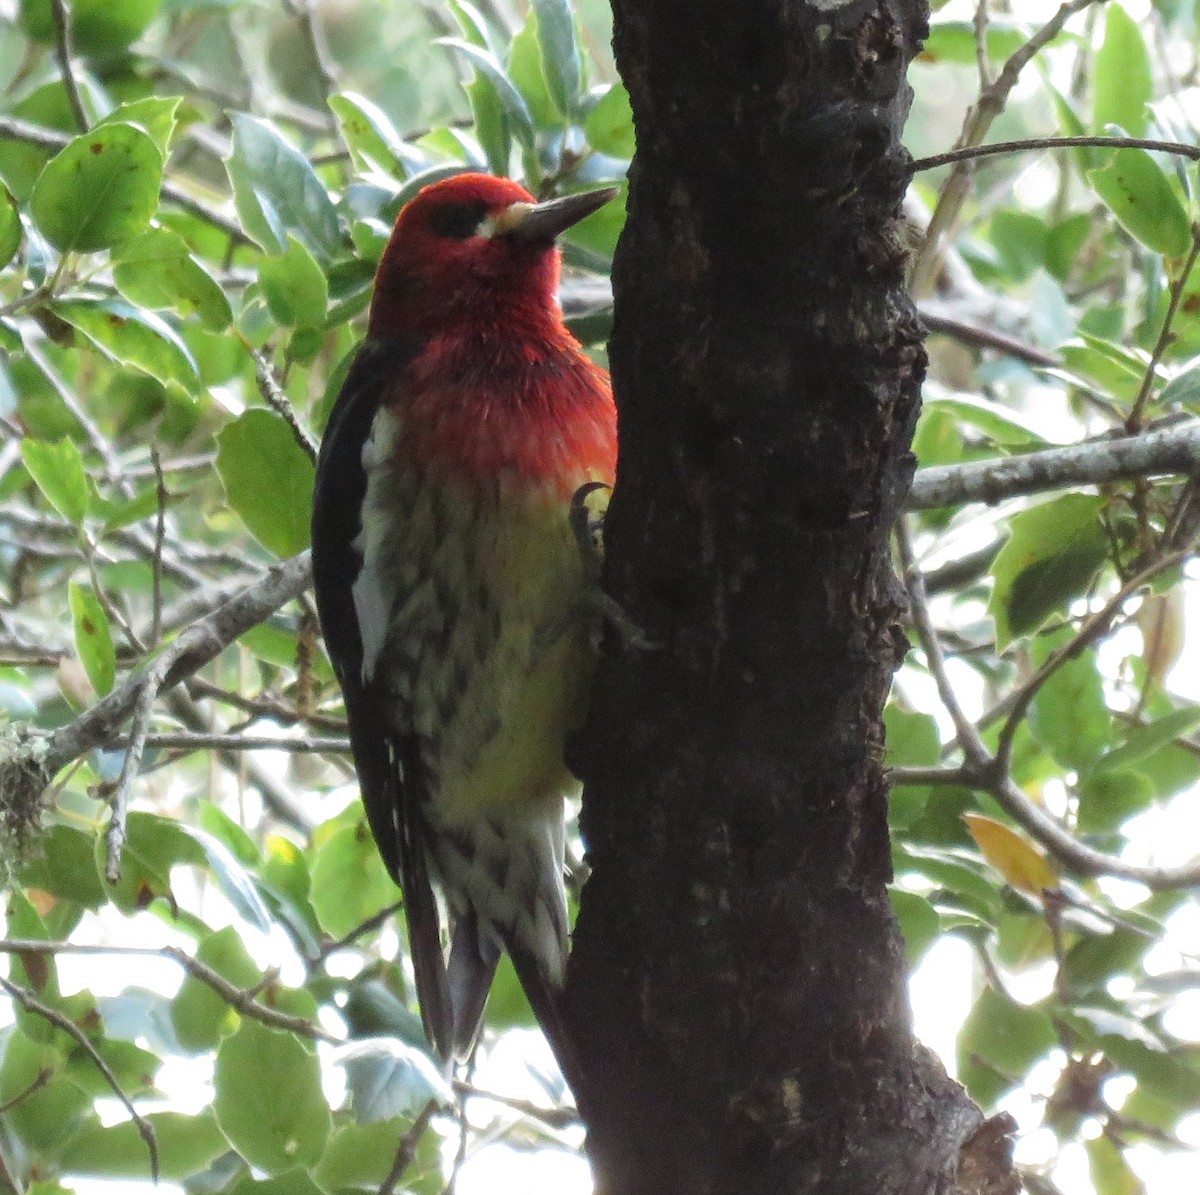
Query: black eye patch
{"points": [[457, 220]]}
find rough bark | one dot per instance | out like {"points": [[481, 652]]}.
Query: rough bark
{"points": [[737, 984]]}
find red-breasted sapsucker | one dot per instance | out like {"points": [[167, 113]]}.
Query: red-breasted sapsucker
{"points": [[451, 586]]}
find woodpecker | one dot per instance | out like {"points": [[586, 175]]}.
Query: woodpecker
{"points": [[451, 587]]}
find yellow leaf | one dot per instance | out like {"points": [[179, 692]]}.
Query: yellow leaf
{"points": [[1022, 864], [1160, 619]]}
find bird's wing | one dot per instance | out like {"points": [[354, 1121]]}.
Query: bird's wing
{"points": [[387, 762]]}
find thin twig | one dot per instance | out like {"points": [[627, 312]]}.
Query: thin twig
{"points": [[366, 927], [972, 744], [969, 153], [1166, 334], [60, 12], [406, 1150], [36, 1084], [59, 1020], [1094, 628], [264, 706], [237, 998], [898, 777], [150, 681], [985, 338], [979, 119], [555, 1118], [981, 770], [981, 47], [239, 742], [160, 531], [273, 394], [196, 646]]}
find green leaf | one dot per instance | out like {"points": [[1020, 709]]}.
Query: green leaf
{"points": [[919, 922], [349, 881], [277, 191], [269, 1101], [368, 133], [46, 1118], [294, 286], [153, 846], [1069, 716], [912, 741], [200, 1017], [57, 470], [516, 111], [292, 1182], [10, 226], [1122, 78], [609, 125], [1110, 796], [1002, 425], [1169, 1077], [157, 270], [186, 1145], [97, 26], [955, 41], [1144, 741], [65, 866], [35, 971], [597, 234], [1140, 196], [100, 190], [155, 115], [387, 1079], [1093, 961], [131, 336], [1052, 554], [93, 638], [1182, 390], [561, 65], [268, 480], [1064, 241], [361, 1155], [1020, 239], [233, 879], [525, 70], [1006, 1037], [1111, 1173]]}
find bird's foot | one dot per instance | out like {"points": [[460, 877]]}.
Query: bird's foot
{"points": [[587, 523]]}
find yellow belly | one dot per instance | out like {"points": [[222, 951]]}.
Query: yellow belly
{"points": [[480, 633]]}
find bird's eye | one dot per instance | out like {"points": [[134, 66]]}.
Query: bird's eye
{"points": [[457, 220]]}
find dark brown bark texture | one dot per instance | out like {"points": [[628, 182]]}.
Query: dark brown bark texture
{"points": [[737, 985]]}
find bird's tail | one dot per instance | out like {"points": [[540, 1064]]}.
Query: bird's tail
{"points": [[545, 999], [470, 971]]}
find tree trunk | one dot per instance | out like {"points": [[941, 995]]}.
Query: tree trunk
{"points": [[737, 983]]}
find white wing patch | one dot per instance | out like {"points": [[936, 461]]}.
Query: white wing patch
{"points": [[375, 588]]}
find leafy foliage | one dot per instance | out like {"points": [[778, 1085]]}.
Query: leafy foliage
{"points": [[181, 286]]}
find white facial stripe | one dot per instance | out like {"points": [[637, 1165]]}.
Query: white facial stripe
{"points": [[505, 221]]}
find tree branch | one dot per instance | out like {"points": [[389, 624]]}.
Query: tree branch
{"points": [[59, 1020], [1171, 450], [979, 119], [241, 999], [28, 769], [60, 12], [971, 153], [987, 774]]}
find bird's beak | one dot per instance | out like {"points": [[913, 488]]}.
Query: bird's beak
{"points": [[533, 222]]}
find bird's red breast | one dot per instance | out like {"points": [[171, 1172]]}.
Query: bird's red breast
{"points": [[538, 411]]}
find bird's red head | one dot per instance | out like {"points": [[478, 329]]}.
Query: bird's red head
{"points": [[471, 247]]}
